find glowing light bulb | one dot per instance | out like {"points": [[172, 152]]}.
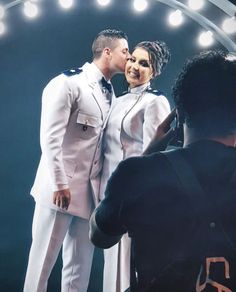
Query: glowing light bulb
{"points": [[66, 4], [196, 4], [30, 9], [229, 25], [176, 18], [103, 2], [206, 39], [140, 5]]}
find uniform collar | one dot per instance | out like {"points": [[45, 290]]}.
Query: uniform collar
{"points": [[97, 74], [140, 88], [92, 72]]}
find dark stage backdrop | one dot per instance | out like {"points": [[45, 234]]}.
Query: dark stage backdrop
{"points": [[31, 53]]}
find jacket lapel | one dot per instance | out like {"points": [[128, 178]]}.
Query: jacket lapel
{"points": [[95, 88]]}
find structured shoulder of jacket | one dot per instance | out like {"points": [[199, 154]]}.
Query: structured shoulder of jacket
{"points": [[73, 71], [154, 91]]}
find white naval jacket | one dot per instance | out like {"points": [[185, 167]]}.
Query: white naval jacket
{"points": [[72, 123], [131, 126]]}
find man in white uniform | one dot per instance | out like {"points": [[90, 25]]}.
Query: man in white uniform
{"points": [[75, 107]]}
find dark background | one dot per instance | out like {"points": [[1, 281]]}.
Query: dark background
{"points": [[31, 53]]}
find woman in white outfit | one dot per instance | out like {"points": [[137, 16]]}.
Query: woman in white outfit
{"points": [[131, 126]]}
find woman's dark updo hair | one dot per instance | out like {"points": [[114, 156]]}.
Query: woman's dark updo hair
{"points": [[159, 54]]}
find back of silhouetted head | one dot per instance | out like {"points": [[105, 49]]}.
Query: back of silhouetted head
{"points": [[106, 39], [205, 93], [159, 54]]}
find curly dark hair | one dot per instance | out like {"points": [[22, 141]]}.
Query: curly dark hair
{"points": [[159, 54], [205, 92], [104, 39]]}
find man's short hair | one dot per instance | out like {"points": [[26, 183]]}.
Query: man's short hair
{"points": [[205, 92], [105, 39]]}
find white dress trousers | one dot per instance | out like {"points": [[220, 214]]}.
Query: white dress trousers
{"points": [[59, 228]]}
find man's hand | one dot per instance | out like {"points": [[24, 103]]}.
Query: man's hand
{"points": [[164, 134], [62, 198]]}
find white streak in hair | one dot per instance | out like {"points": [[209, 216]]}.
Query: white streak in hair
{"points": [[231, 57]]}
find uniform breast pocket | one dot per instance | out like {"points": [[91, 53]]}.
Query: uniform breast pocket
{"points": [[88, 125]]}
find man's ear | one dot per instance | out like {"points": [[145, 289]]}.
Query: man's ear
{"points": [[107, 51]]}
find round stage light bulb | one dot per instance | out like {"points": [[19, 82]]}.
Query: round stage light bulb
{"points": [[66, 4], [2, 12], [2, 28], [176, 18], [140, 5], [30, 9], [206, 39], [229, 25], [103, 2], [196, 4]]}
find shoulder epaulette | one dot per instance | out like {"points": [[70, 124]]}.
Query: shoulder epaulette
{"points": [[154, 91], [72, 72]]}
